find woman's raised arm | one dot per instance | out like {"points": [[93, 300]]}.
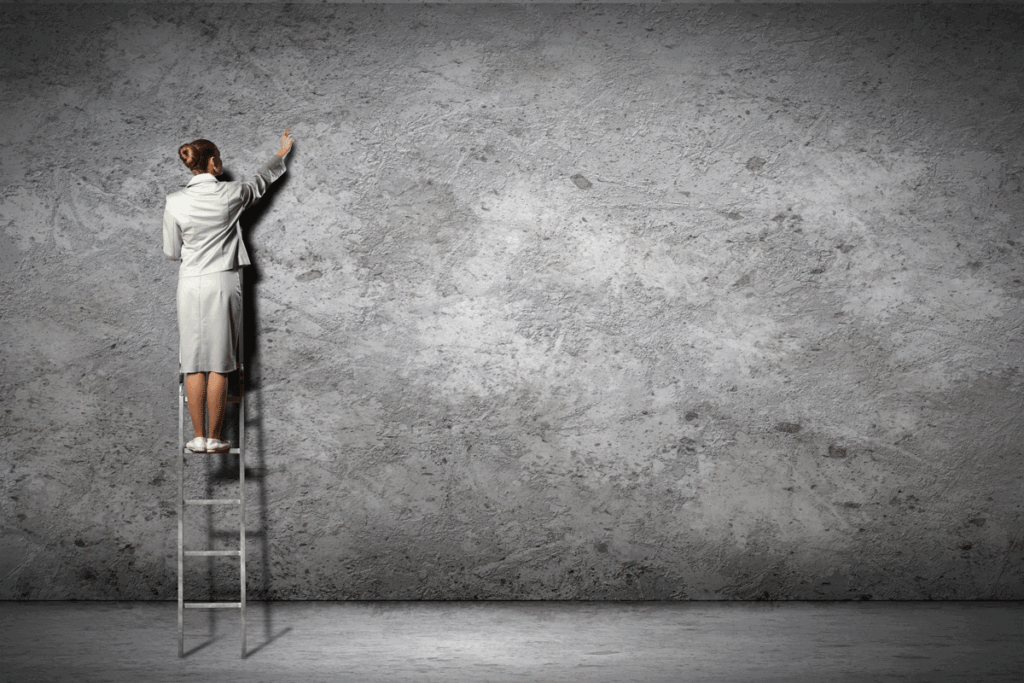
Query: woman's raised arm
{"points": [[257, 185]]}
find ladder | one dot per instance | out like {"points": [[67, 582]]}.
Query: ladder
{"points": [[186, 503]]}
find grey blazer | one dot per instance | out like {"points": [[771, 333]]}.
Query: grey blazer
{"points": [[201, 221]]}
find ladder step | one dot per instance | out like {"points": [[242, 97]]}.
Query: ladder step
{"points": [[213, 553], [211, 605], [214, 501], [233, 451]]}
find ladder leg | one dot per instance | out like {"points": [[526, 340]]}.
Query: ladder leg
{"points": [[241, 497], [241, 463], [181, 513]]}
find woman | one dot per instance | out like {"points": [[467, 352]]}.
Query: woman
{"points": [[201, 230]]}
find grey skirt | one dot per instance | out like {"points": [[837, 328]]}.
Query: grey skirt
{"points": [[209, 319]]}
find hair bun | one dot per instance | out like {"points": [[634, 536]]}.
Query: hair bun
{"points": [[197, 154], [188, 154]]}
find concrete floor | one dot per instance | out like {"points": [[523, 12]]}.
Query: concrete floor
{"points": [[516, 641]]}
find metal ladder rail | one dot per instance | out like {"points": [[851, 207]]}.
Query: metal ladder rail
{"points": [[240, 501]]}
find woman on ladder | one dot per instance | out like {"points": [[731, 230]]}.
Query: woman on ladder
{"points": [[201, 230]]}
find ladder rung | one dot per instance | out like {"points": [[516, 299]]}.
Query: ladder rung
{"points": [[214, 501], [211, 605], [233, 451], [213, 553]]}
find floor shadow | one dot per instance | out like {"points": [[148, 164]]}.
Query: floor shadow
{"points": [[201, 646], [269, 639]]}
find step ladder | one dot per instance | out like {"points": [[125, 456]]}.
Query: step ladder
{"points": [[186, 503]]}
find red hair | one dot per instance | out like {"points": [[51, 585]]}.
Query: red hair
{"points": [[196, 155]]}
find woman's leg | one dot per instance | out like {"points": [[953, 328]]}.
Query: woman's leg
{"points": [[195, 387], [218, 398]]}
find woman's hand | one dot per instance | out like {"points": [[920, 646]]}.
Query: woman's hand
{"points": [[286, 143]]}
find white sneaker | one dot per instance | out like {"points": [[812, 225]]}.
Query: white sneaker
{"points": [[197, 445], [217, 446]]}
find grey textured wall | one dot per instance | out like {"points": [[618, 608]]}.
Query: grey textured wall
{"points": [[553, 302]]}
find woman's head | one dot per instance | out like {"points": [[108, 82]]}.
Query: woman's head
{"points": [[201, 156]]}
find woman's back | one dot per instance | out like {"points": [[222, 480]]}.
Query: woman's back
{"points": [[201, 225]]}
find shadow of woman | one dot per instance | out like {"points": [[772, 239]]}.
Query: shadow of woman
{"points": [[255, 436]]}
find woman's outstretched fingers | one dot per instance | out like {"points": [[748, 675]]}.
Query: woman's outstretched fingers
{"points": [[286, 142]]}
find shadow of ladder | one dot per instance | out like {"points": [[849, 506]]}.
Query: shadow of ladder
{"points": [[185, 503]]}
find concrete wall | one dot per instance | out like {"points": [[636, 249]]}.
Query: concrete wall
{"points": [[565, 302]]}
